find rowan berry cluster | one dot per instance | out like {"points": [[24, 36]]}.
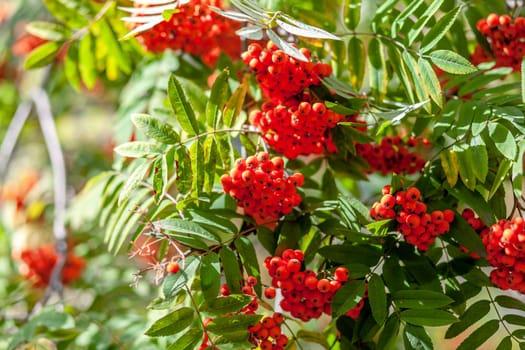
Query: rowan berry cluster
{"points": [[292, 121], [267, 334], [305, 295], [505, 245], [195, 29], [477, 225], [297, 127], [392, 155], [280, 76], [418, 227], [260, 186], [37, 265], [506, 38]]}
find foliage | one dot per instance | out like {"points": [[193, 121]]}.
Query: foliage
{"points": [[401, 78]]}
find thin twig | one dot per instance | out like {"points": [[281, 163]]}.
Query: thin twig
{"points": [[11, 136], [47, 124]]}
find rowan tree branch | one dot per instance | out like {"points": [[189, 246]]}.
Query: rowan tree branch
{"points": [[11, 136], [58, 166]]}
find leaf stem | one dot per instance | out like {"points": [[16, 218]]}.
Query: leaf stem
{"points": [[500, 319], [196, 307]]}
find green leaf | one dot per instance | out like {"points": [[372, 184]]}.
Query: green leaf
{"points": [[347, 297], [427, 317], [451, 62], [503, 140], [174, 282], [480, 158], [474, 313], [234, 105], [114, 46], [377, 67], [389, 333], [439, 30], [223, 305], [160, 177], [430, 81], [400, 69], [416, 337], [71, 13], [218, 97], [510, 302], [231, 324], [210, 155], [43, 55], [298, 28], [188, 341], [356, 60], [353, 13], [350, 254], [232, 272], [463, 233], [420, 299], [211, 220], [184, 171], [449, 163], [415, 73], [466, 165], [399, 22], [172, 323], [285, 46], [377, 298], [480, 335], [87, 64], [48, 31], [505, 344], [422, 21], [181, 106], [248, 255], [186, 227], [155, 128], [313, 337], [210, 275], [197, 167], [250, 32], [514, 319], [138, 149], [70, 66], [133, 182]]}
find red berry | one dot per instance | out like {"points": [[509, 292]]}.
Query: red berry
{"points": [[173, 267], [269, 292]]}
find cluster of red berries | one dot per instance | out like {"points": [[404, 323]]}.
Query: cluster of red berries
{"points": [[195, 29], [506, 38], [505, 245], [280, 76], [297, 127], [260, 186], [418, 227], [267, 334], [37, 265], [305, 295], [292, 121], [392, 155]]}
